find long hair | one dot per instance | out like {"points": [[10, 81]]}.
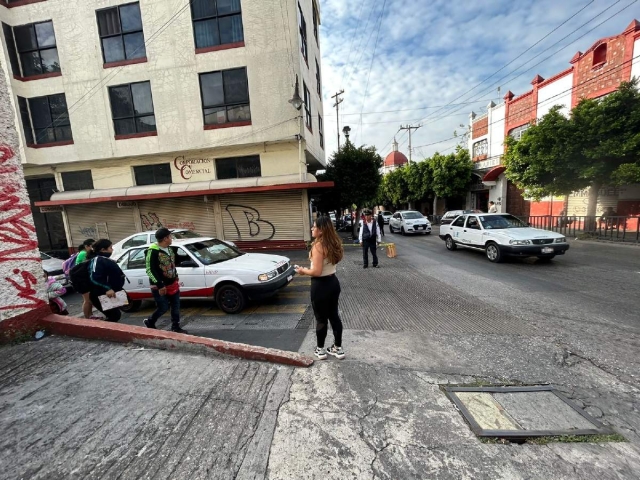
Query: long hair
{"points": [[330, 241], [101, 244]]}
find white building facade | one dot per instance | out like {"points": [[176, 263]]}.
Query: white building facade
{"points": [[166, 113], [594, 73]]}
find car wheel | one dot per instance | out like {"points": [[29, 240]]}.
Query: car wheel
{"points": [[230, 299], [391, 229], [493, 252], [133, 306], [546, 259], [402, 232], [450, 244]]}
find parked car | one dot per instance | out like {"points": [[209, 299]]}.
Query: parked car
{"points": [[386, 215], [213, 270], [53, 267], [148, 237], [451, 215], [502, 234], [332, 216], [409, 221]]}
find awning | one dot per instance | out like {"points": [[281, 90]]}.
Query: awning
{"points": [[173, 190], [493, 174]]}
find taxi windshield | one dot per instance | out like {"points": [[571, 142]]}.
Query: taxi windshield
{"points": [[497, 222], [212, 251]]}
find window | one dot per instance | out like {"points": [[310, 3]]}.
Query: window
{"points": [[134, 260], [238, 167], [35, 47], [315, 20], [480, 148], [121, 33], [307, 106], [472, 222], [153, 174], [136, 241], [225, 97], [321, 131], [132, 108], [45, 119], [216, 22], [458, 222], [81, 180], [518, 131], [303, 35], [318, 87], [600, 54]]}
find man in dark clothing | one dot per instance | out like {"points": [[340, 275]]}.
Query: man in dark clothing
{"points": [[381, 223], [106, 277], [163, 278], [369, 237]]}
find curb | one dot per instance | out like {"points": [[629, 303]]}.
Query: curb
{"points": [[115, 332]]}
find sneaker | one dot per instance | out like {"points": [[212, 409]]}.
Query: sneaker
{"points": [[337, 352], [376, 266], [178, 330], [321, 353], [148, 324]]}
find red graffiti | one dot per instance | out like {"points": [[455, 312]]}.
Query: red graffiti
{"points": [[25, 291], [13, 229], [6, 154]]}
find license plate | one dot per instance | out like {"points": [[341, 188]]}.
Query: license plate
{"points": [[289, 278], [547, 250]]}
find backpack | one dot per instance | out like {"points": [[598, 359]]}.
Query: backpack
{"points": [[69, 263], [79, 277]]}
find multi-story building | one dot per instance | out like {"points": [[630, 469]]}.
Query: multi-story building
{"points": [[175, 113], [592, 74]]}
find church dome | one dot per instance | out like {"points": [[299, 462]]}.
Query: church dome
{"points": [[395, 158]]}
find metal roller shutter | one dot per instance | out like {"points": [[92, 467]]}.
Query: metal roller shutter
{"points": [[99, 220], [578, 202], [262, 216], [188, 212]]}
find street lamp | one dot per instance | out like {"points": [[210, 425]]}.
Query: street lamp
{"points": [[297, 103], [346, 130]]}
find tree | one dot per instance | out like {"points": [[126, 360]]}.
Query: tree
{"points": [[397, 186], [450, 174], [598, 145], [356, 174], [419, 180]]}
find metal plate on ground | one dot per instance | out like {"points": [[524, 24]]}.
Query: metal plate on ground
{"points": [[521, 412]]}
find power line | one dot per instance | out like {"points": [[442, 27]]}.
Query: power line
{"points": [[373, 56], [416, 108], [360, 44], [353, 37]]}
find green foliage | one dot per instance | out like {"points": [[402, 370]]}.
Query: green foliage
{"points": [[451, 174], [397, 187], [598, 145], [356, 174]]}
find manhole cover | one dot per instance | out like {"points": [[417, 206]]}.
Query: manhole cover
{"points": [[521, 412]]}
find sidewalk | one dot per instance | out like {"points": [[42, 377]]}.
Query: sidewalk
{"points": [[80, 409]]}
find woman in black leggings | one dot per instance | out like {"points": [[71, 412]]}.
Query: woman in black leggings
{"points": [[326, 252]]}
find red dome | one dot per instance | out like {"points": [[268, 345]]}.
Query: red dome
{"points": [[395, 159]]}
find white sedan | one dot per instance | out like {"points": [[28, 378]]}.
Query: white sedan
{"points": [[502, 234], [210, 269], [409, 221]]}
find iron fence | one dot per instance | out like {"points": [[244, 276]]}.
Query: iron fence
{"points": [[620, 228]]}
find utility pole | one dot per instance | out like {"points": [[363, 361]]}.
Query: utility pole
{"points": [[409, 127], [337, 105]]}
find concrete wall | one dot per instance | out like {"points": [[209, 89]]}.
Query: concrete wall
{"points": [[555, 93], [498, 193], [496, 130], [270, 56], [22, 302], [635, 63]]}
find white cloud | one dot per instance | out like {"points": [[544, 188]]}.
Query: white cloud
{"points": [[430, 53]]}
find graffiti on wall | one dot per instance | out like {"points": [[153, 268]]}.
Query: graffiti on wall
{"points": [[151, 221], [18, 238], [248, 218], [88, 232]]}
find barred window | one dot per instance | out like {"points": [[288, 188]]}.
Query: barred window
{"points": [[480, 148]]}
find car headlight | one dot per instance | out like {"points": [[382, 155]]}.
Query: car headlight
{"points": [[265, 277], [561, 240], [520, 242]]}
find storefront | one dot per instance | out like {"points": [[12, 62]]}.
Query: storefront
{"points": [[258, 216]]}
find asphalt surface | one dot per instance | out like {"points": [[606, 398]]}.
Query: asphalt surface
{"points": [[428, 318]]}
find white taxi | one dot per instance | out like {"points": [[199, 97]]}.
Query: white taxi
{"points": [[409, 221], [210, 269], [502, 234]]}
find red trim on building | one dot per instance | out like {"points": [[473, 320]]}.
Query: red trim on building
{"points": [[479, 158], [574, 84], [493, 174], [19, 4], [228, 125], [122, 63], [557, 76], [507, 101], [136, 135], [214, 191], [480, 127], [52, 144], [604, 91], [628, 52], [217, 48], [38, 77]]}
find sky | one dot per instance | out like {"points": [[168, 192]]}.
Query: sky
{"points": [[434, 62]]}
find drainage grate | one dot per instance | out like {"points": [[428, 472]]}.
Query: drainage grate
{"points": [[522, 412]]}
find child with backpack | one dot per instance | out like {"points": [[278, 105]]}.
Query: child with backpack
{"points": [[55, 290]]}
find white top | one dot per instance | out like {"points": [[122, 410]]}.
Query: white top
{"points": [[370, 225], [328, 268]]}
